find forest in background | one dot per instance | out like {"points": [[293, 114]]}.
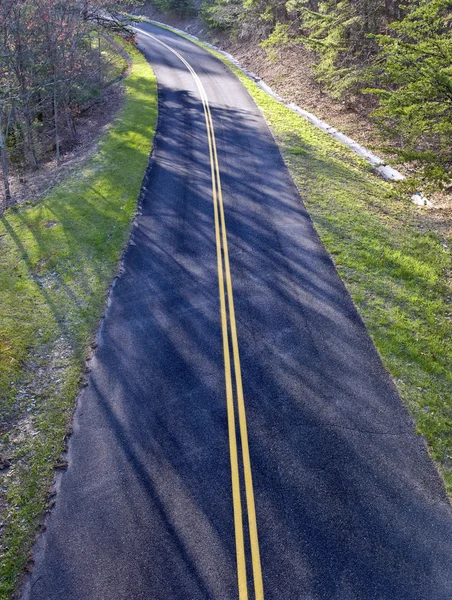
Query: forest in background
{"points": [[51, 63], [386, 59], [391, 60]]}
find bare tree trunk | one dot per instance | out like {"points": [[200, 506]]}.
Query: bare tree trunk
{"points": [[4, 129], [3, 204], [99, 58], [29, 149], [57, 129], [8, 200], [71, 125]]}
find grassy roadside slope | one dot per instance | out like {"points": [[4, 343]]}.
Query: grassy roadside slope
{"points": [[57, 260], [395, 270]]}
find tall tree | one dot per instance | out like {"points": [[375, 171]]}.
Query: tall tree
{"points": [[414, 73]]}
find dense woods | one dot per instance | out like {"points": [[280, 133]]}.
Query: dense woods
{"points": [[51, 62], [387, 58]]}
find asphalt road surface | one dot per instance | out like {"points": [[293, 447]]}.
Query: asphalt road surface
{"points": [[239, 437]]}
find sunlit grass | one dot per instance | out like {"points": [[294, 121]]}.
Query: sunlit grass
{"points": [[57, 259]]}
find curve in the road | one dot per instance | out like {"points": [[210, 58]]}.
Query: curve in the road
{"points": [[343, 502], [229, 333]]}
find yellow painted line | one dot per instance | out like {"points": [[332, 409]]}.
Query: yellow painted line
{"points": [[249, 490], [220, 224]]}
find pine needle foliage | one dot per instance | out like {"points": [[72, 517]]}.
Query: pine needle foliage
{"points": [[414, 73], [392, 58]]}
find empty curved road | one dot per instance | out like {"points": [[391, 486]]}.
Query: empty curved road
{"points": [[239, 437]]}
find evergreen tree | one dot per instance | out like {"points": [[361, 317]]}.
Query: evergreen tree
{"points": [[414, 73]]}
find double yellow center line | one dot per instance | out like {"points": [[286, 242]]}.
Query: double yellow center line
{"points": [[229, 335]]}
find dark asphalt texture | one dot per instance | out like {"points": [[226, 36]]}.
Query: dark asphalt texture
{"points": [[349, 506]]}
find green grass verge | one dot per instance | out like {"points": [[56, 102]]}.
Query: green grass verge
{"points": [[57, 260], [394, 269]]}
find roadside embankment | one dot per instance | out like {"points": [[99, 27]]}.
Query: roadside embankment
{"points": [[58, 258]]}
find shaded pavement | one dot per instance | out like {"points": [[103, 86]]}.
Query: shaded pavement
{"points": [[348, 504]]}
